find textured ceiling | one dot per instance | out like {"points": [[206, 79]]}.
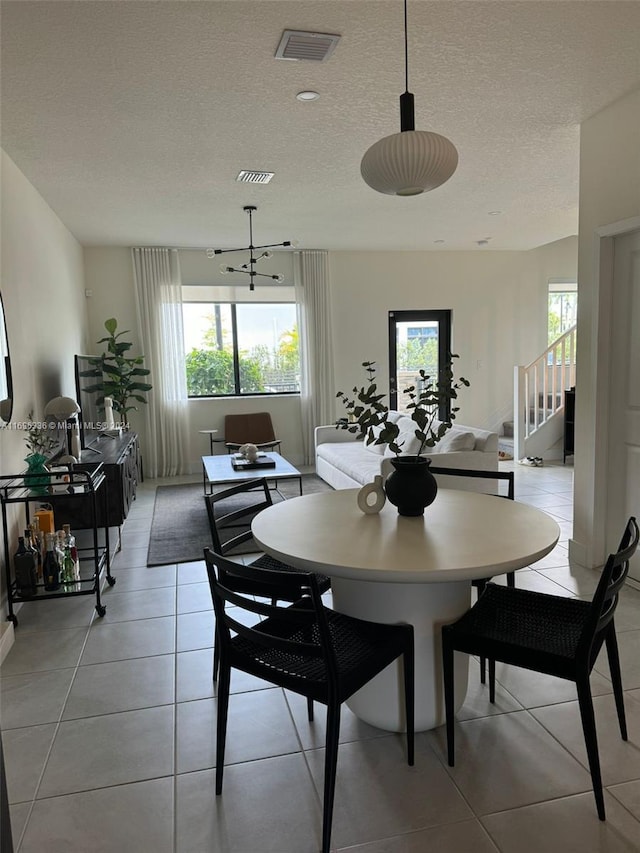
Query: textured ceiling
{"points": [[133, 118]]}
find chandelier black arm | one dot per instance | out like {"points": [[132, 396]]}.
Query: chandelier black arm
{"points": [[250, 248], [251, 272]]}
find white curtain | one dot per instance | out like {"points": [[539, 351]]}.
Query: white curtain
{"points": [[314, 324], [159, 302]]}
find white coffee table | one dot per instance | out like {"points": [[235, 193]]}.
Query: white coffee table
{"points": [[217, 470], [392, 569]]}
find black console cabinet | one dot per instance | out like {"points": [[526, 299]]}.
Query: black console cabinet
{"points": [[569, 423], [121, 463]]}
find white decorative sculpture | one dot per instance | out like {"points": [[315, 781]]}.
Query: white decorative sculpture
{"points": [[249, 451], [108, 413], [371, 497]]}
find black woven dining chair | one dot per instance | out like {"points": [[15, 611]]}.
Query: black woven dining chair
{"points": [[304, 647], [495, 477], [230, 514], [549, 634]]}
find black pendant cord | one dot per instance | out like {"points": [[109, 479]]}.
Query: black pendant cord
{"points": [[406, 50], [407, 112]]}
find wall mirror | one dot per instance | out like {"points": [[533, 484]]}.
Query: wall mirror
{"points": [[6, 383]]}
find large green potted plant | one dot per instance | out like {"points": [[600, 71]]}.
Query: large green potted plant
{"points": [[411, 486], [118, 374]]}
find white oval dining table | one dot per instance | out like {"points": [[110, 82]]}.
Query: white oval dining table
{"points": [[390, 568]]}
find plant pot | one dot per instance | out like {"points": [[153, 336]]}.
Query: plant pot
{"points": [[411, 486]]}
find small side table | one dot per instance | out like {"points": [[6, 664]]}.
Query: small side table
{"points": [[210, 433]]}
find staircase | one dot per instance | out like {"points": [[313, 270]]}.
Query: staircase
{"points": [[538, 409]]}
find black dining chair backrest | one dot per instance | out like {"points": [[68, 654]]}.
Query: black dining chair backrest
{"points": [[304, 647], [551, 634]]}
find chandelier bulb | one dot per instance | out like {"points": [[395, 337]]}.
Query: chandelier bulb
{"points": [[224, 269], [279, 278], [267, 254]]}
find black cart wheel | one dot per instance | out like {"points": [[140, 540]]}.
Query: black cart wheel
{"points": [[111, 580], [13, 618], [101, 609]]}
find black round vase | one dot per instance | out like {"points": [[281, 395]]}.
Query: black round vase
{"points": [[411, 486]]}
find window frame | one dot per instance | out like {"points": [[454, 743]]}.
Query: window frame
{"points": [[235, 350]]}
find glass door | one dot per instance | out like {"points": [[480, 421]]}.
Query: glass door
{"points": [[417, 339]]}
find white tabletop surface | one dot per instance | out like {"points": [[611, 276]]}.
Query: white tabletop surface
{"points": [[462, 535]]}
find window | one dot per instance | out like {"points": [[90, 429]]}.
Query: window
{"points": [[563, 308], [237, 348]]}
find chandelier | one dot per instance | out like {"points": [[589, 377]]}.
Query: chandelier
{"points": [[250, 267], [412, 161]]}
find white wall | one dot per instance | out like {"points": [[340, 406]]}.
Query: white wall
{"points": [[609, 193], [43, 292], [499, 302], [499, 305]]}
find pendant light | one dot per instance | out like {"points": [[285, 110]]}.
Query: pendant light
{"points": [[412, 161]]}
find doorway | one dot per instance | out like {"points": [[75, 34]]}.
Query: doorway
{"points": [[417, 340]]}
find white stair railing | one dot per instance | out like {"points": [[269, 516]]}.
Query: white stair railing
{"points": [[539, 388]]}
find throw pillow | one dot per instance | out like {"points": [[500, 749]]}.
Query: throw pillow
{"points": [[378, 449], [455, 440]]}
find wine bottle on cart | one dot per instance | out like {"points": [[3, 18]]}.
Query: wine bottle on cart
{"points": [[50, 565], [24, 567]]}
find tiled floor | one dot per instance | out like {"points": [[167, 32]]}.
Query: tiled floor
{"points": [[108, 733]]}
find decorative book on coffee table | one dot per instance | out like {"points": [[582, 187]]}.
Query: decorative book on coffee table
{"points": [[240, 464]]}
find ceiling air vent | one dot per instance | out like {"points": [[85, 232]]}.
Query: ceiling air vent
{"points": [[250, 176], [315, 47]]}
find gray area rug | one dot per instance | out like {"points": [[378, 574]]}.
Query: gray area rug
{"points": [[180, 527]]}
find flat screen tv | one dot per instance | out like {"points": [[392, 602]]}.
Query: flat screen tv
{"points": [[91, 415]]}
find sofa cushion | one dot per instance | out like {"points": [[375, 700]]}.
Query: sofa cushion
{"points": [[455, 440], [351, 459]]}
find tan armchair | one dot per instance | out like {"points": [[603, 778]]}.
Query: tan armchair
{"points": [[255, 428]]}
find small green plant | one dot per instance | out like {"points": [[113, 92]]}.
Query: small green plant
{"points": [[38, 439], [367, 415], [119, 375]]}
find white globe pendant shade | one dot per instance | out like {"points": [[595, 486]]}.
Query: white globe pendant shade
{"points": [[409, 163]]}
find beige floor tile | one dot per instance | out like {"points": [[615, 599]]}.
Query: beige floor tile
{"points": [[194, 597], [192, 572], [378, 795], [123, 640], [45, 650], [534, 689], [619, 760], [568, 825], [140, 604], [259, 726], [468, 835], [509, 761], [312, 735], [136, 817], [128, 580], [25, 752], [123, 685], [33, 699], [195, 631], [47, 615], [114, 749], [268, 806], [629, 795], [629, 650], [577, 580]]}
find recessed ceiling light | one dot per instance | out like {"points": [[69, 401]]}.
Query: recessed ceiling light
{"points": [[438, 241], [495, 212], [307, 96], [484, 242]]}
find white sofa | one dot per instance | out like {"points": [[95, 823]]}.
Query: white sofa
{"points": [[346, 463]]}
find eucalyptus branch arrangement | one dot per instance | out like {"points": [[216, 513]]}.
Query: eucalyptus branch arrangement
{"points": [[38, 439], [368, 415]]}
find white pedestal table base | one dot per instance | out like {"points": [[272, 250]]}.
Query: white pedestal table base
{"points": [[427, 606]]}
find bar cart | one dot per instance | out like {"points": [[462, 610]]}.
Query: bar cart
{"points": [[82, 496]]}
